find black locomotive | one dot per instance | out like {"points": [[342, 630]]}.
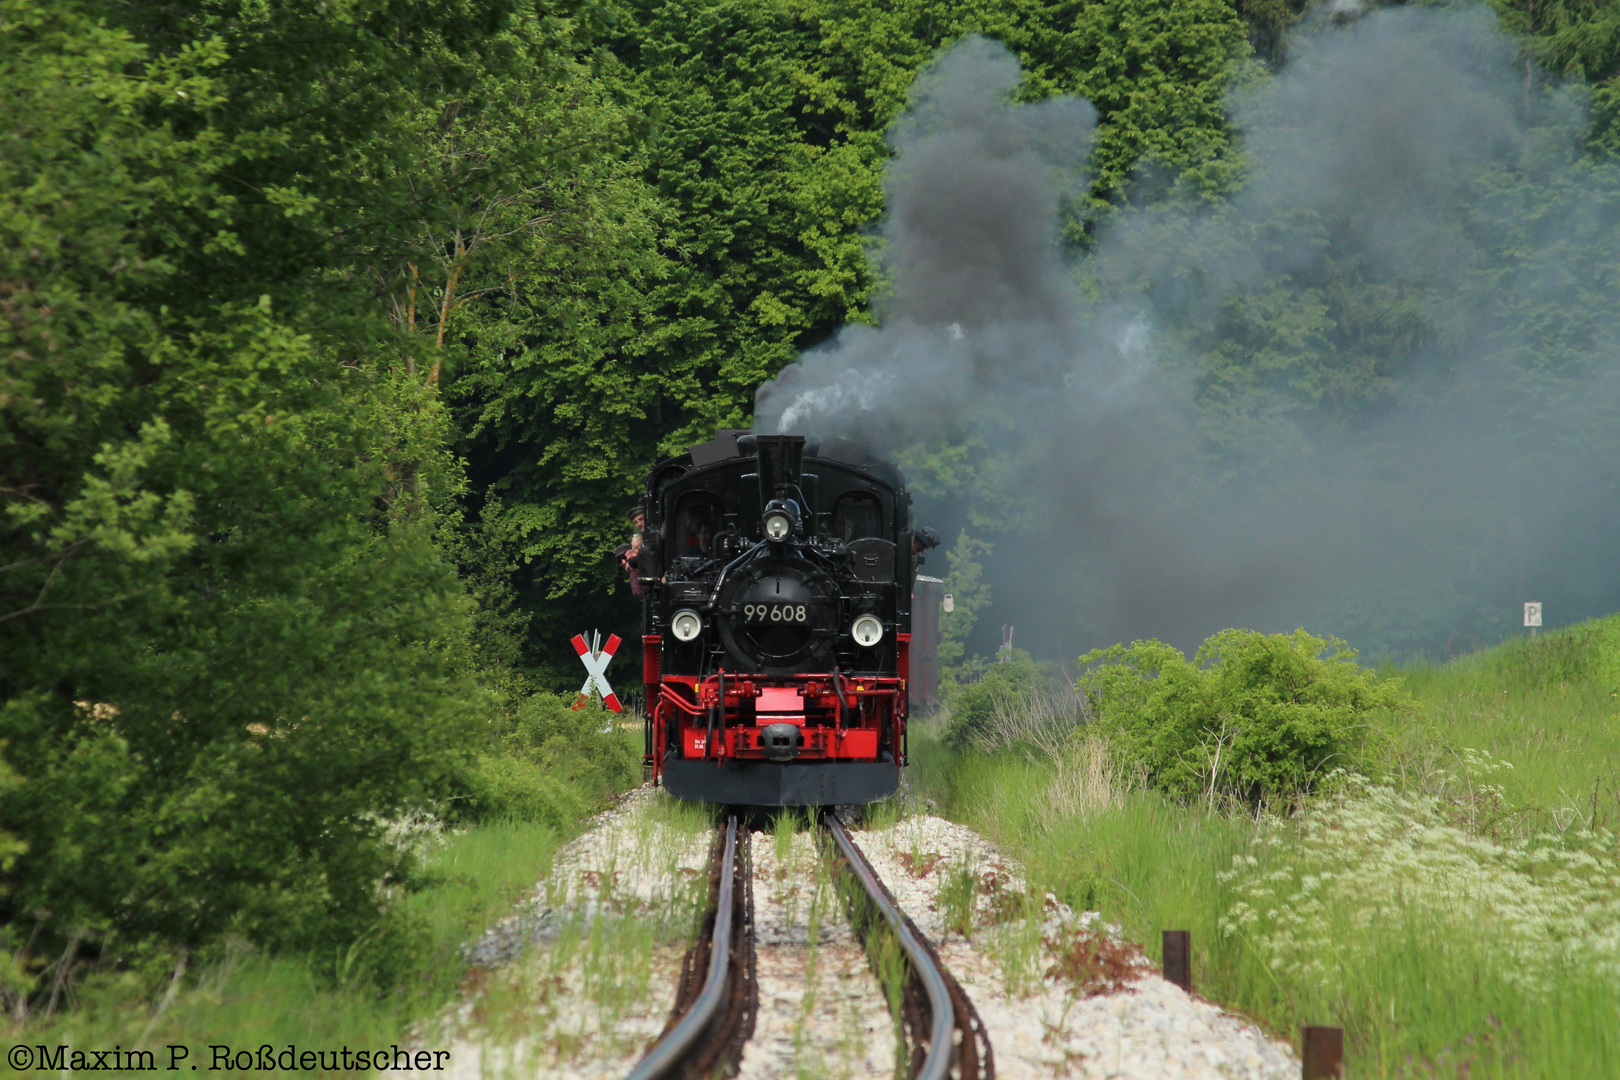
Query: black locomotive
{"points": [[776, 621]]}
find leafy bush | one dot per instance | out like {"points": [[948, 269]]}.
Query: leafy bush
{"points": [[1005, 685], [552, 764], [1257, 715]]}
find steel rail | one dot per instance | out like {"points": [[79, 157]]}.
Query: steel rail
{"points": [[936, 1066], [669, 1050]]}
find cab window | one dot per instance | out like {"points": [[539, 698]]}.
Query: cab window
{"points": [[696, 523], [857, 516]]}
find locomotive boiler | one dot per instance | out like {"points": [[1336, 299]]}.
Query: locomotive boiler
{"points": [[776, 621]]}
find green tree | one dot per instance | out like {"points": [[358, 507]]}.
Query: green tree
{"points": [[558, 357], [231, 644], [1576, 40], [1158, 71]]}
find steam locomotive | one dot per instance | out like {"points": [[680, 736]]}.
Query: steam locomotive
{"points": [[776, 621]]}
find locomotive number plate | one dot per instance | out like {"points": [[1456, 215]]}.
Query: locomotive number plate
{"points": [[796, 613]]}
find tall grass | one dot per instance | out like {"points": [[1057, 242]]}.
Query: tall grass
{"points": [[1457, 916], [1144, 862], [1549, 706]]}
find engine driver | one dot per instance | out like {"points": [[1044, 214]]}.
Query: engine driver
{"points": [[700, 541], [923, 539]]}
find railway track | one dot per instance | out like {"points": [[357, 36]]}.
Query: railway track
{"points": [[956, 1043], [717, 997]]}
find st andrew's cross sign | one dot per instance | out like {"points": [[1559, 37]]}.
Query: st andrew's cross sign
{"points": [[596, 662]]}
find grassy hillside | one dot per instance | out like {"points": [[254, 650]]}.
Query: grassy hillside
{"points": [[1551, 707], [1453, 901]]}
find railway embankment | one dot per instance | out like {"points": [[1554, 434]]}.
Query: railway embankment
{"points": [[1061, 992], [585, 975], [582, 976]]}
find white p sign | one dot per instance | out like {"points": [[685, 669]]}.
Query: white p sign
{"points": [[1532, 613]]}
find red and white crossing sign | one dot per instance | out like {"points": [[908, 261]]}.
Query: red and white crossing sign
{"points": [[596, 662]]}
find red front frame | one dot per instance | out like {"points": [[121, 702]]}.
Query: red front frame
{"points": [[686, 706]]}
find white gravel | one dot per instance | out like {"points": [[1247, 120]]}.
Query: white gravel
{"points": [[821, 1011], [581, 979], [1040, 1025]]}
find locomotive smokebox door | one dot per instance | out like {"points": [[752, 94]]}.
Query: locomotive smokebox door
{"points": [[780, 617]]}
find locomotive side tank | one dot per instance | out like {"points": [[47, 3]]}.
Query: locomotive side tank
{"points": [[776, 621]]}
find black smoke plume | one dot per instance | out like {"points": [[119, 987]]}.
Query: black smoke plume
{"points": [[1372, 393]]}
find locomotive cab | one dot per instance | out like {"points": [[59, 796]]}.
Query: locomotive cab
{"points": [[776, 621]]}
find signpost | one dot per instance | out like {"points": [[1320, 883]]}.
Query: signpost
{"points": [[595, 657], [1532, 616]]}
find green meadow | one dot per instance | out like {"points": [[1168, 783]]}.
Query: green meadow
{"points": [[1452, 900]]}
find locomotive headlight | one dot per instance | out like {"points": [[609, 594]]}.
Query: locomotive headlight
{"points": [[781, 519], [866, 630], [686, 625]]}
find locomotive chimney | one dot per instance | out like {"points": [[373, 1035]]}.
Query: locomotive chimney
{"points": [[781, 463]]}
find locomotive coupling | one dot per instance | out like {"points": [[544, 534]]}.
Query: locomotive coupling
{"points": [[780, 741]]}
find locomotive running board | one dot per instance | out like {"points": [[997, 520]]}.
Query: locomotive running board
{"points": [[767, 783]]}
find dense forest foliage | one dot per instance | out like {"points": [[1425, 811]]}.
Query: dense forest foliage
{"points": [[337, 336], [763, 180]]}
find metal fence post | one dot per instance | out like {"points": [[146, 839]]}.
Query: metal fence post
{"points": [[1322, 1056], [1178, 958]]}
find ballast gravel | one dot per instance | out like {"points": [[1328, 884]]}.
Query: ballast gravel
{"points": [[821, 1011], [1040, 1024], [581, 978]]}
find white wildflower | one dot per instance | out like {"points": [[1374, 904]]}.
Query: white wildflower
{"points": [[1375, 857]]}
